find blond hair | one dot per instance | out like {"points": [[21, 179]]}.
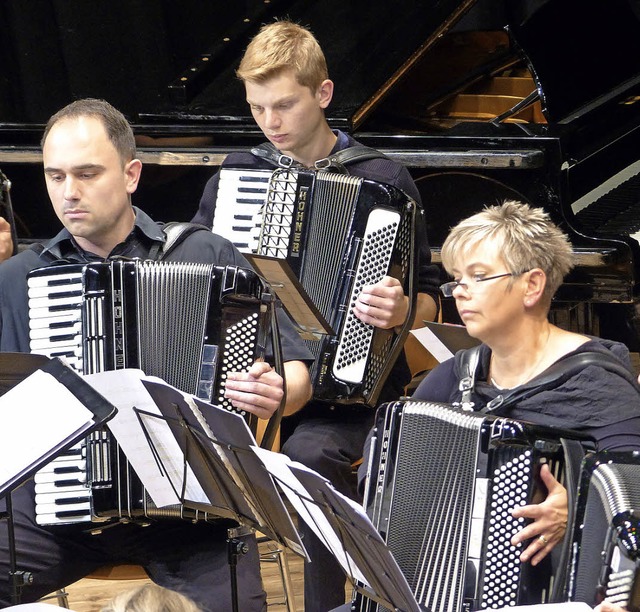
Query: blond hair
{"points": [[281, 46], [150, 597], [528, 239]]}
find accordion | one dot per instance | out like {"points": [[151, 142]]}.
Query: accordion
{"points": [[605, 554], [441, 486], [337, 233], [188, 324]]}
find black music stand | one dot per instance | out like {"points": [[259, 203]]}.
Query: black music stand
{"points": [[296, 301], [35, 383], [222, 465], [364, 554]]}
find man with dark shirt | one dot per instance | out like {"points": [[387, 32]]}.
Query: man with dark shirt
{"points": [[91, 171], [287, 88]]}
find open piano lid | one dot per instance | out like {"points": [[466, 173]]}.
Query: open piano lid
{"points": [[368, 45], [582, 53]]}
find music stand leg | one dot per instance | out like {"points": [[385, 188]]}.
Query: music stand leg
{"points": [[235, 548], [18, 579]]}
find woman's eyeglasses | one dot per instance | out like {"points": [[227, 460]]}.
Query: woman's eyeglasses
{"points": [[469, 286]]}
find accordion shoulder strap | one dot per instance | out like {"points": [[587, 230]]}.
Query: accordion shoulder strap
{"points": [[176, 232], [336, 162], [467, 361]]}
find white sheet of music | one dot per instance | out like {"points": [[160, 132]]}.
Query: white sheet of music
{"points": [[277, 465], [36, 416], [124, 389]]}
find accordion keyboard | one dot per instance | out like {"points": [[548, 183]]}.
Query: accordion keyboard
{"points": [[55, 326], [239, 218], [62, 493]]}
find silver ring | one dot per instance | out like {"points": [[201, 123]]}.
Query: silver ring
{"points": [[543, 540]]}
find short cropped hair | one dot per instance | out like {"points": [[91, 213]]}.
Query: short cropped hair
{"points": [[527, 237], [115, 124], [150, 598], [281, 46]]}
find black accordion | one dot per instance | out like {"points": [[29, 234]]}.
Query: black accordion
{"points": [[337, 233], [605, 554], [441, 486], [186, 323]]}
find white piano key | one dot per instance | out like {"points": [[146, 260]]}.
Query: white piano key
{"points": [[49, 344], [46, 319], [46, 303], [53, 519], [56, 488], [39, 333], [46, 279]]}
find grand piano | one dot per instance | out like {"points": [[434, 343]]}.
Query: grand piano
{"points": [[537, 100]]}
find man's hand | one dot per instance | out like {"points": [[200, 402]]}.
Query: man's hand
{"points": [[549, 520], [382, 305], [260, 390], [6, 243]]}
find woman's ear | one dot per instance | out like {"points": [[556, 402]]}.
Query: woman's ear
{"points": [[536, 281]]}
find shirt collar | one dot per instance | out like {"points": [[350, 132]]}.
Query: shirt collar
{"points": [[63, 245]]}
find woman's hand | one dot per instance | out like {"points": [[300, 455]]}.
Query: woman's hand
{"points": [[549, 520]]}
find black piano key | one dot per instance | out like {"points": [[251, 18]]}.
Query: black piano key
{"points": [[71, 482], [68, 501], [70, 469], [71, 514]]}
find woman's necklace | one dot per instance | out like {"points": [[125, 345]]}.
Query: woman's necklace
{"points": [[530, 372]]}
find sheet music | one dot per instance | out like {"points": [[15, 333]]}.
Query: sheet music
{"points": [[36, 416], [242, 433], [278, 465], [125, 390], [443, 340]]}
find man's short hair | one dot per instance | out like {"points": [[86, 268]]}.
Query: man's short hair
{"points": [[281, 46], [527, 238], [115, 124]]}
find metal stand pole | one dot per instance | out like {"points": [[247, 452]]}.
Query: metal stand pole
{"points": [[236, 547], [18, 579]]}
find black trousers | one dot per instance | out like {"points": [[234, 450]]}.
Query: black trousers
{"points": [[189, 558], [329, 446]]}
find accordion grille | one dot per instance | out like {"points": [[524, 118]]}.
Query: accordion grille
{"points": [[173, 304], [438, 505]]}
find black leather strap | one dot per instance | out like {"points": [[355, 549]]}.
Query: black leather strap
{"points": [[176, 233], [336, 162], [468, 362]]}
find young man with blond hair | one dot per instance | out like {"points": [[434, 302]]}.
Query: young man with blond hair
{"points": [[287, 87]]}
